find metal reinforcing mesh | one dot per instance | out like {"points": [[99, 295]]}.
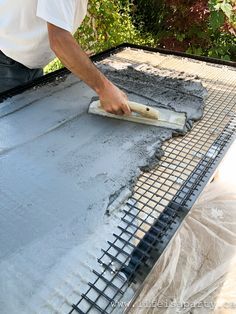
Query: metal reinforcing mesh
{"points": [[163, 196]]}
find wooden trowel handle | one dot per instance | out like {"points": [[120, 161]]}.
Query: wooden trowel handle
{"points": [[145, 111]]}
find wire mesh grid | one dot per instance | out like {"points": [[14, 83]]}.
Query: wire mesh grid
{"points": [[163, 196]]}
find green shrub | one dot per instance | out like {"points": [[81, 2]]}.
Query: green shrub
{"points": [[200, 27]]}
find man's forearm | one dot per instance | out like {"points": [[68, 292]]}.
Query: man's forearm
{"points": [[76, 60]]}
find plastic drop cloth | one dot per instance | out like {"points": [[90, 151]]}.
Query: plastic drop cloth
{"points": [[197, 272]]}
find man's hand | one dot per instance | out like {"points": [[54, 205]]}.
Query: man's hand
{"points": [[113, 100], [75, 59]]}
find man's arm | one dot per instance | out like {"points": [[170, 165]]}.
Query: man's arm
{"points": [[75, 59]]}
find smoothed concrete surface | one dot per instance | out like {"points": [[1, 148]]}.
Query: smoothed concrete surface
{"points": [[61, 168]]}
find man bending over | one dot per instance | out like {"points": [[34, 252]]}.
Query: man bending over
{"points": [[32, 32]]}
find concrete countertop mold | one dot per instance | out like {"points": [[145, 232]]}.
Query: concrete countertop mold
{"points": [[65, 176]]}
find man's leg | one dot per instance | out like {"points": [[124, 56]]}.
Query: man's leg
{"points": [[13, 74]]}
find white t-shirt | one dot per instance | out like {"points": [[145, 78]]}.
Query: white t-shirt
{"points": [[23, 27]]}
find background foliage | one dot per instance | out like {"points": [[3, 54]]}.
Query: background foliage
{"points": [[203, 27]]}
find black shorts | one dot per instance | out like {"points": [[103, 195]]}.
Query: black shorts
{"points": [[13, 73]]}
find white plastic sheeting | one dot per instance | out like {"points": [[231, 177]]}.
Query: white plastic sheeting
{"points": [[197, 272]]}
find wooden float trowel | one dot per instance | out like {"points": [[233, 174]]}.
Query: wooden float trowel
{"points": [[146, 115]]}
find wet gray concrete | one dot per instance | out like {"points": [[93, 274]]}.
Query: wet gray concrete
{"points": [[61, 168]]}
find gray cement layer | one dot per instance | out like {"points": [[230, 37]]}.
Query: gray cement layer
{"points": [[64, 175]]}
